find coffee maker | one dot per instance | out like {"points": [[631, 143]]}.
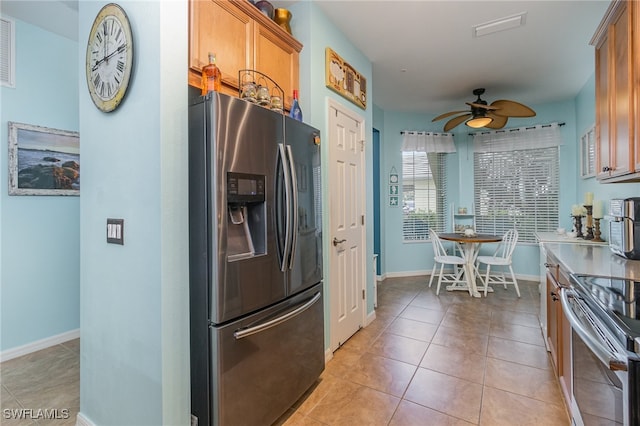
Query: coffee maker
{"points": [[624, 227]]}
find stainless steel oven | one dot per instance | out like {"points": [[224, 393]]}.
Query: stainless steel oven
{"points": [[604, 350]]}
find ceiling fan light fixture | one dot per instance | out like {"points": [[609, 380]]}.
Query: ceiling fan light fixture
{"points": [[478, 122]]}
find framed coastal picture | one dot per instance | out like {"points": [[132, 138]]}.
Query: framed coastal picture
{"points": [[43, 161]]}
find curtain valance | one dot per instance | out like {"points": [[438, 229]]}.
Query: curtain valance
{"points": [[534, 137], [427, 141]]}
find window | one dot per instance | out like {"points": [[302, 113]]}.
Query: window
{"points": [[7, 53], [423, 194], [517, 189], [588, 153]]}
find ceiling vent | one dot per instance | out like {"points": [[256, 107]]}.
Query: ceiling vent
{"points": [[7, 53], [506, 23]]}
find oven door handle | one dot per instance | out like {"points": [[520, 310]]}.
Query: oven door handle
{"points": [[599, 350]]}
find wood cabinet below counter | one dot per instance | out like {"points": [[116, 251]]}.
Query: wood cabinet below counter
{"points": [[558, 328], [242, 38]]}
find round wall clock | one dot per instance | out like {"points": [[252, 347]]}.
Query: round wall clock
{"points": [[109, 57]]}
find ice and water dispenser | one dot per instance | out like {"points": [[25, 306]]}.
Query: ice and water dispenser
{"points": [[246, 216]]}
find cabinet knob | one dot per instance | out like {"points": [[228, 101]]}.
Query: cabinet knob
{"points": [[606, 169]]}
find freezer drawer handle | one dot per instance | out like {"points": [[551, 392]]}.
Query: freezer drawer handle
{"points": [[276, 321]]}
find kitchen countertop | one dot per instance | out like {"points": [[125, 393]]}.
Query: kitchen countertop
{"points": [[554, 237], [593, 259]]}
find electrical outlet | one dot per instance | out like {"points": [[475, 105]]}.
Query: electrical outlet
{"points": [[115, 231]]}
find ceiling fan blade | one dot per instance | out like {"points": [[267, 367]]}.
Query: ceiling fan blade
{"points": [[507, 108], [455, 121], [498, 121], [448, 114], [483, 106]]}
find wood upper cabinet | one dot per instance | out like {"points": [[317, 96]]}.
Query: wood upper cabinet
{"points": [[617, 106], [242, 38], [277, 58], [635, 57]]}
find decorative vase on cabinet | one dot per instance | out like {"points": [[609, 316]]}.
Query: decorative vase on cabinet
{"points": [[282, 17]]}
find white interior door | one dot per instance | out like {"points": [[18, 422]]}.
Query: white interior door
{"points": [[347, 236]]}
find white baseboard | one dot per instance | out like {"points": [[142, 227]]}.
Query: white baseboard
{"points": [[81, 420], [404, 274], [39, 344], [370, 317], [381, 278], [328, 356]]}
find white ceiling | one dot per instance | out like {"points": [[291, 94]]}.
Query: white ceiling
{"points": [[424, 56], [546, 60]]}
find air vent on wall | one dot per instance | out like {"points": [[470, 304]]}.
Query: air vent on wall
{"points": [[7, 53]]}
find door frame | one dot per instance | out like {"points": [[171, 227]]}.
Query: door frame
{"points": [[333, 104]]}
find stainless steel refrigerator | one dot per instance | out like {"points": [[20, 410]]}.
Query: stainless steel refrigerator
{"points": [[255, 231]]}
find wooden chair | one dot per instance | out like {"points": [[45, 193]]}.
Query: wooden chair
{"points": [[441, 257], [501, 258]]}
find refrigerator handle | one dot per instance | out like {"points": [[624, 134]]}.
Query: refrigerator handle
{"points": [[294, 207], [239, 334], [286, 171]]}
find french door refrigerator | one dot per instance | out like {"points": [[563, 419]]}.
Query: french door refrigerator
{"points": [[256, 300]]}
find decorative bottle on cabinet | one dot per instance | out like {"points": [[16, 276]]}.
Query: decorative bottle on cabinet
{"points": [[211, 76], [295, 112]]}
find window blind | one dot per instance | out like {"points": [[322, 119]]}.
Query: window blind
{"points": [[7, 53], [423, 194], [517, 189]]}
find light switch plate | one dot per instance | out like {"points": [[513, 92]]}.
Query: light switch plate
{"points": [[115, 231]]}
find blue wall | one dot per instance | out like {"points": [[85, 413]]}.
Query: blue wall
{"points": [[578, 114], [311, 27], [134, 366], [40, 237], [416, 257]]}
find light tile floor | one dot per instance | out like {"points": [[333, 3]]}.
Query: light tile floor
{"points": [[439, 360], [425, 360], [44, 387]]}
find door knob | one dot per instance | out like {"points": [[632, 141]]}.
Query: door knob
{"points": [[337, 241]]}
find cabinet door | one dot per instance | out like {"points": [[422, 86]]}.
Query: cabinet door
{"points": [[621, 110], [220, 27], [635, 45], [554, 312], [277, 59], [603, 162]]}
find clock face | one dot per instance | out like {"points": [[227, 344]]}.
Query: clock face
{"points": [[109, 57]]}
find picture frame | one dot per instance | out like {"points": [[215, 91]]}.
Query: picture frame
{"points": [[43, 160], [588, 153], [344, 79]]}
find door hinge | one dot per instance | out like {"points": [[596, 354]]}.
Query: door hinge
{"points": [[362, 220], [362, 146], [363, 294]]}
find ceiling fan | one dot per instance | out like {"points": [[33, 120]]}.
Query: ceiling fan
{"points": [[492, 116]]}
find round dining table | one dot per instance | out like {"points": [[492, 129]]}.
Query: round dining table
{"points": [[469, 246]]}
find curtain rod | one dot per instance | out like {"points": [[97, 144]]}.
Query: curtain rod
{"points": [[402, 132], [515, 130]]}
